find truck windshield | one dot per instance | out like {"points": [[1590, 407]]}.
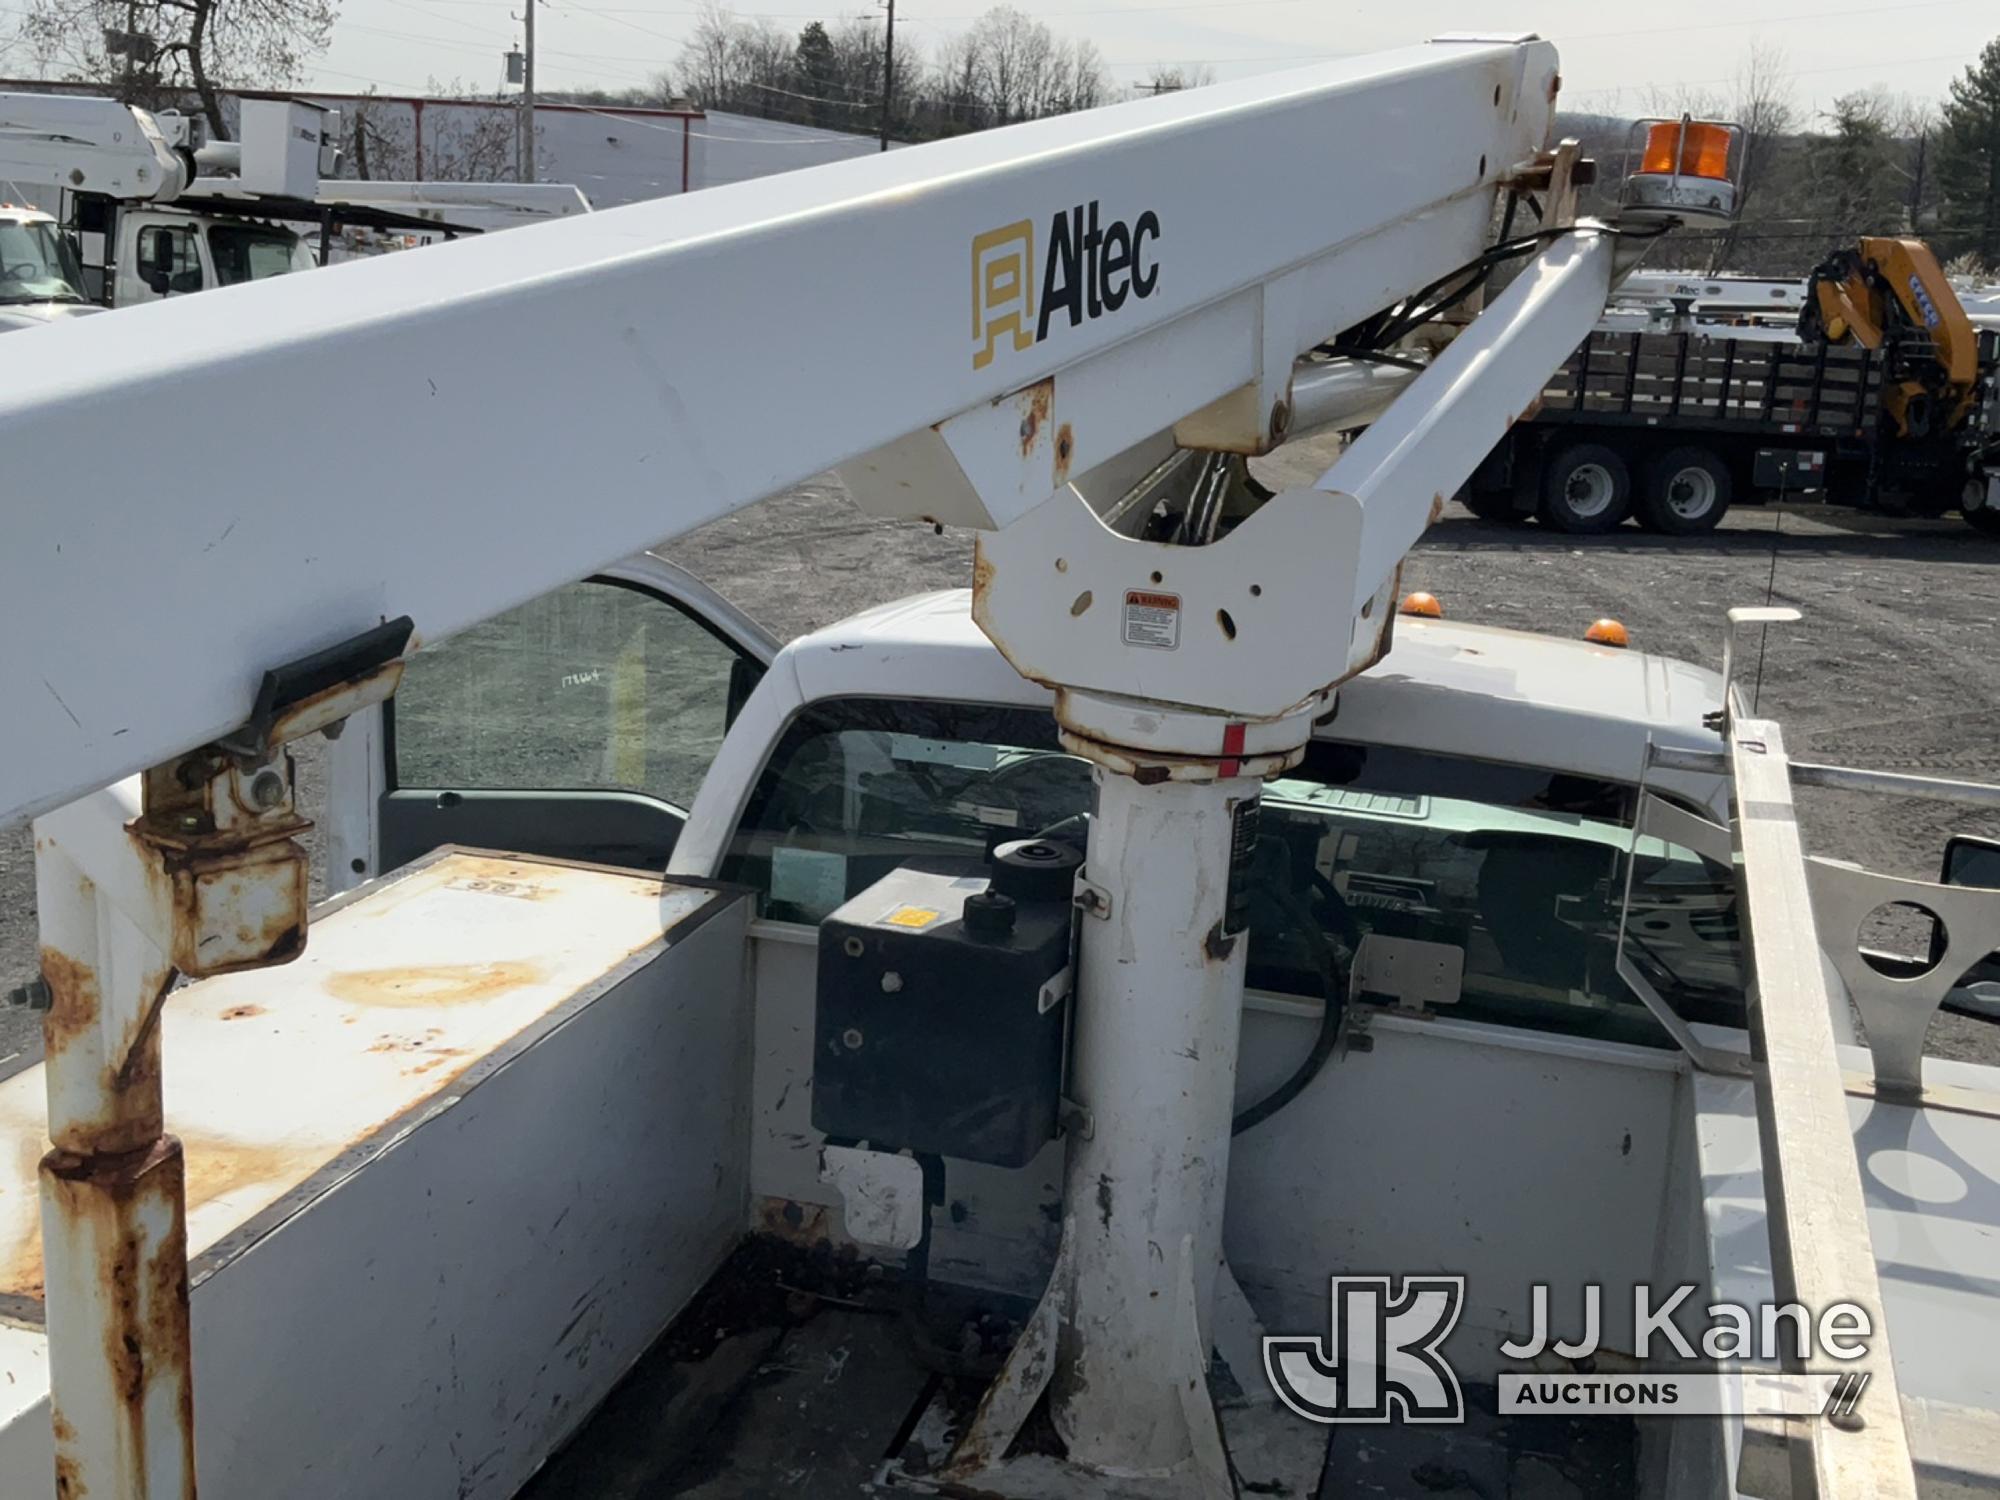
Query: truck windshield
{"points": [[1518, 868], [37, 264], [246, 252]]}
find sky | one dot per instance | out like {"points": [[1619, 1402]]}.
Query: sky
{"points": [[1612, 53]]}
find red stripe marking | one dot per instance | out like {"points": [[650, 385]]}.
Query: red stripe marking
{"points": [[1232, 749]]}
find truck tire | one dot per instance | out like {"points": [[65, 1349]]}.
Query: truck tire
{"points": [[1586, 489], [1687, 491], [1979, 515]]}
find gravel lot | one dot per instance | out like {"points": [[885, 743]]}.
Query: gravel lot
{"points": [[1894, 666]]}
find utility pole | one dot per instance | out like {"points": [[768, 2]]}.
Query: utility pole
{"points": [[525, 148], [1917, 183], [131, 50], [888, 71]]}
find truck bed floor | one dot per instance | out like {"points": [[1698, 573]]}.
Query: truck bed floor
{"points": [[795, 1374]]}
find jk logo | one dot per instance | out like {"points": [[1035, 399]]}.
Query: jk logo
{"points": [[1381, 1361]]}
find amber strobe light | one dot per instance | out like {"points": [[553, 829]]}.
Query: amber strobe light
{"points": [[1424, 606], [1687, 148], [1608, 632]]}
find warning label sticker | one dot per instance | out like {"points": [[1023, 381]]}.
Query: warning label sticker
{"points": [[1152, 619], [911, 916]]}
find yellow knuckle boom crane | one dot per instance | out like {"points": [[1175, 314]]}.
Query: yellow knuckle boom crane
{"points": [[1892, 295]]}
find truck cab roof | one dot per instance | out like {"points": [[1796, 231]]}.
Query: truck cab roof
{"points": [[1534, 699]]}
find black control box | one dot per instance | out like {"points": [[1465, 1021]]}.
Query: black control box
{"points": [[942, 1011]]}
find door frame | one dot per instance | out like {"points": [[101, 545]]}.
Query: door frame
{"points": [[358, 772]]}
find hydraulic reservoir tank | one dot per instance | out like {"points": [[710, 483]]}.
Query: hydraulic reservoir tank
{"points": [[940, 1016]]}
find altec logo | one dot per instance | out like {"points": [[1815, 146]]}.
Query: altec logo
{"points": [[1090, 268]]}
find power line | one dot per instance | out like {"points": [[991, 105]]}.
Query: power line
{"points": [[771, 88], [380, 83], [410, 36], [1692, 83], [590, 10], [1877, 11], [596, 59], [1625, 33], [423, 10], [821, 15]]}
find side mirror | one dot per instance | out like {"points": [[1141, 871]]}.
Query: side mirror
{"points": [[1971, 861], [159, 282]]}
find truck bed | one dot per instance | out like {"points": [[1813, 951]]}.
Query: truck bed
{"points": [[799, 1372], [1651, 379]]}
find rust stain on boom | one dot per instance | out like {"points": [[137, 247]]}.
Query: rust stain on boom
{"points": [[1036, 402]]}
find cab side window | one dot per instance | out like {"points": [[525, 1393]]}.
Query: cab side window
{"points": [[857, 787], [1520, 869], [242, 253], [168, 260], [595, 687]]}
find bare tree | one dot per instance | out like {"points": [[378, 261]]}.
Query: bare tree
{"points": [[1852, 167], [1020, 71], [953, 88], [1171, 80], [1672, 102], [1007, 67], [474, 144], [1011, 48], [1762, 105], [470, 139], [372, 146], [762, 58], [167, 48], [1910, 124], [704, 69], [1080, 79]]}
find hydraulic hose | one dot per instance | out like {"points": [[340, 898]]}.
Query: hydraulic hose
{"points": [[1332, 1013]]}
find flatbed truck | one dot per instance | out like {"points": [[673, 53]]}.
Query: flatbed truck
{"points": [[1671, 429]]}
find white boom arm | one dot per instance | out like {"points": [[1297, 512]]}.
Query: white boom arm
{"points": [[89, 145], [986, 316]]}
